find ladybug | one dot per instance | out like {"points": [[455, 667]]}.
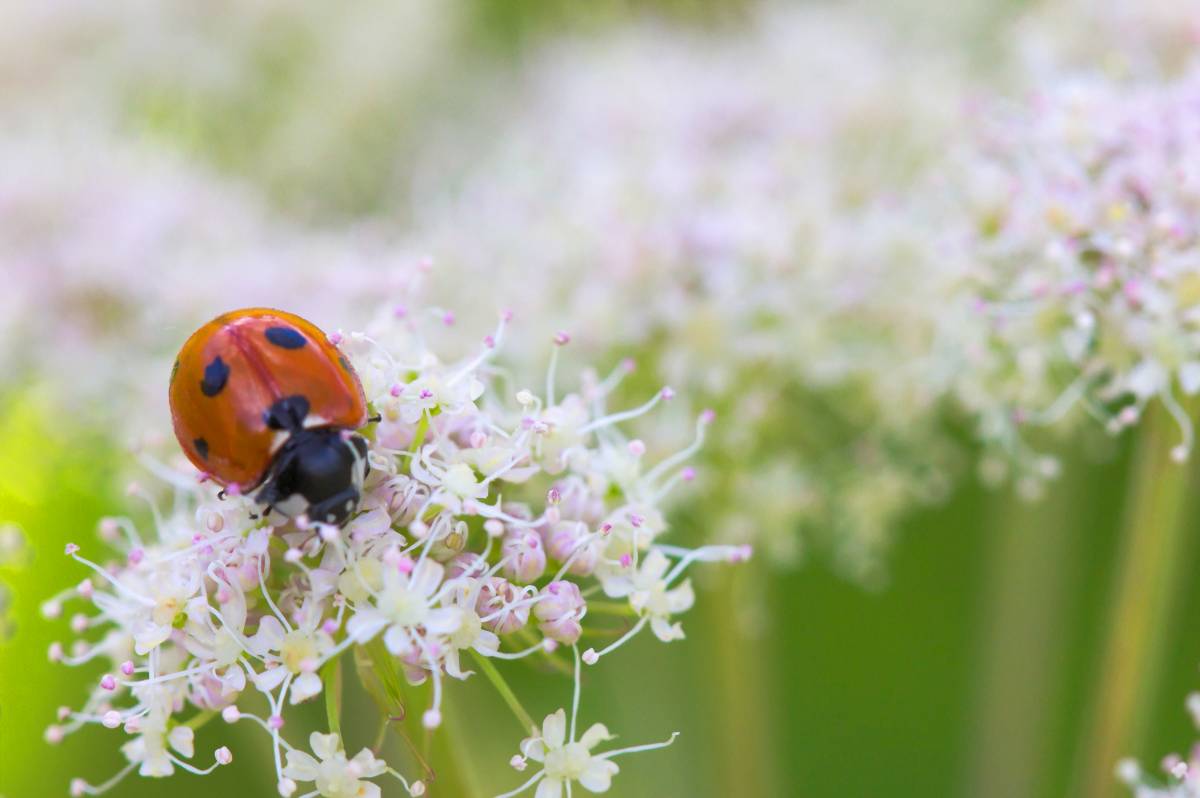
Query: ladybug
{"points": [[262, 401]]}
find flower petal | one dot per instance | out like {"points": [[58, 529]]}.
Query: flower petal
{"points": [[554, 730], [597, 776]]}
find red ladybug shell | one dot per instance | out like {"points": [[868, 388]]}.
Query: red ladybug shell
{"points": [[233, 369]]}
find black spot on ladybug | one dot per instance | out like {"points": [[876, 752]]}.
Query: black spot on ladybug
{"points": [[345, 363], [201, 447], [287, 413], [216, 374], [285, 337]]}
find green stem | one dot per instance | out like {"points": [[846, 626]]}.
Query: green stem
{"points": [[506, 692], [1149, 567], [331, 675], [610, 607], [1026, 590], [196, 721], [419, 435], [745, 681]]}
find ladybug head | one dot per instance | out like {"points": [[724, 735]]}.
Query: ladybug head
{"points": [[318, 472]]}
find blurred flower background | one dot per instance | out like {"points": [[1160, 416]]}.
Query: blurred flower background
{"points": [[936, 268]]}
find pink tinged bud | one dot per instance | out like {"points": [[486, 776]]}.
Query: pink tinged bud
{"points": [[51, 609], [223, 595], [426, 394], [553, 496], [275, 722], [71, 549], [215, 522], [133, 726], [489, 342], [396, 390], [637, 448], [590, 657], [549, 645], [108, 682], [293, 556], [63, 713], [667, 394], [626, 560], [524, 557], [330, 626], [78, 788], [400, 311], [136, 556], [506, 315], [109, 529], [79, 623], [416, 789], [517, 762], [86, 588], [53, 735], [405, 564], [336, 338], [688, 474], [708, 416], [111, 719], [224, 755], [286, 787], [233, 489], [329, 533], [55, 652], [741, 553], [448, 318], [478, 440], [561, 338], [127, 667], [231, 714], [559, 610], [636, 520], [605, 528], [628, 365], [431, 719], [493, 527]]}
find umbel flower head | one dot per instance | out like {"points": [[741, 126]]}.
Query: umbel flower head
{"points": [[1079, 285], [489, 518], [690, 202]]}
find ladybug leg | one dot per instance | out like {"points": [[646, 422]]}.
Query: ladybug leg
{"points": [[375, 419], [221, 494]]}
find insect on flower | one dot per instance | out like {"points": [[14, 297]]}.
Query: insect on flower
{"points": [[261, 400]]}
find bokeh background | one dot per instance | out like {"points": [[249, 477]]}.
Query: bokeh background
{"points": [[922, 632]]}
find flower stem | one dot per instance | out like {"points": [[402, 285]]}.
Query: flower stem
{"points": [[1148, 571], [331, 675], [506, 692], [1021, 643]]}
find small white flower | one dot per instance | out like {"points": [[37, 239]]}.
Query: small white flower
{"points": [[334, 775]]}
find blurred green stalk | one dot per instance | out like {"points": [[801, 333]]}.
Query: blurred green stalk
{"points": [[1025, 604], [1150, 563], [744, 682]]}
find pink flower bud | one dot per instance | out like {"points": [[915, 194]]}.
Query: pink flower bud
{"points": [[496, 599], [524, 556], [108, 682], [559, 611], [224, 755], [231, 714]]}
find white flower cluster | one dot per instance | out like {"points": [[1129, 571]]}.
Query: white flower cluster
{"points": [[691, 196], [1079, 256], [490, 519]]}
